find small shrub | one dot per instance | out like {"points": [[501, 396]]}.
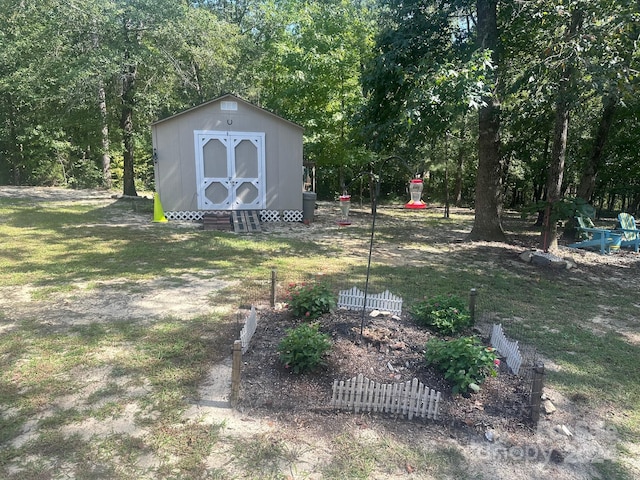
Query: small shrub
{"points": [[464, 361], [446, 314], [303, 347], [310, 300]]}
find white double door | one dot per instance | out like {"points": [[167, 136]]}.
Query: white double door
{"points": [[230, 170]]}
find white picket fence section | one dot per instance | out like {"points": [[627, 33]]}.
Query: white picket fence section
{"points": [[353, 299], [250, 325], [507, 348], [409, 398]]}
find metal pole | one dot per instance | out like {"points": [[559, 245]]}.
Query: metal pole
{"points": [[273, 288], [472, 304], [366, 285], [376, 194]]}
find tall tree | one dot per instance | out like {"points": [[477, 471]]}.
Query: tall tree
{"points": [[613, 72], [200, 58], [561, 54], [311, 75], [104, 135], [422, 75], [595, 159], [33, 145], [487, 224], [425, 79]]}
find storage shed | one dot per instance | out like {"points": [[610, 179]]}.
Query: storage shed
{"points": [[227, 155]]}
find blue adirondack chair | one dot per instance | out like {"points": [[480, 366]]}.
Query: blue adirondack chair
{"points": [[629, 231], [599, 238]]}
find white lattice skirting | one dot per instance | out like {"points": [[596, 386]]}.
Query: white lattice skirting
{"points": [[184, 216], [269, 216], [408, 398], [353, 299], [507, 348], [292, 215], [265, 216]]}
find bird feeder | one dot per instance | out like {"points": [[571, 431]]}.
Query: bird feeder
{"points": [[415, 190], [345, 205]]}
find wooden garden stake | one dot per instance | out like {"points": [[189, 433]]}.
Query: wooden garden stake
{"points": [[236, 368], [536, 392]]}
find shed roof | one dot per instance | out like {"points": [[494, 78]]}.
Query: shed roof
{"points": [[225, 96]]}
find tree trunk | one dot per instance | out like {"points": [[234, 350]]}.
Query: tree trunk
{"points": [[549, 238], [540, 188], [16, 154], [549, 235], [458, 192], [594, 162], [446, 175], [126, 124], [104, 132], [635, 206], [539, 180], [104, 120], [487, 224], [197, 80]]}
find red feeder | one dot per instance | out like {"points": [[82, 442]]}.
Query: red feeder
{"points": [[345, 205], [415, 189]]}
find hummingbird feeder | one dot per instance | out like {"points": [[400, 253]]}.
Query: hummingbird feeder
{"points": [[345, 205], [415, 190]]}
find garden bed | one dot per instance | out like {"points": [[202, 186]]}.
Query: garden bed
{"points": [[390, 350]]}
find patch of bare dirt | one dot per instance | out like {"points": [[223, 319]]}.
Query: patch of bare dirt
{"points": [[114, 300], [53, 194]]}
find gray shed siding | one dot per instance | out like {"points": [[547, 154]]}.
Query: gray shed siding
{"points": [[175, 153]]}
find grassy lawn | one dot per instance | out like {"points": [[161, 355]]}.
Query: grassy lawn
{"points": [[88, 398]]}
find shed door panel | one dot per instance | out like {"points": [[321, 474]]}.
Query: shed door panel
{"points": [[214, 158], [230, 170]]}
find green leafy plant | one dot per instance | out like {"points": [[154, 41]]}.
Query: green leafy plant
{"points": [[303, 347], [446, 314], [310, 299], [464, 361]]}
